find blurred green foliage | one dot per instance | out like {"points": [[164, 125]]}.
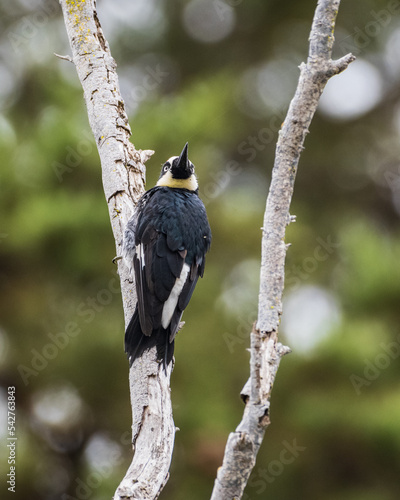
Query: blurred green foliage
{"points": [[219, 74]]}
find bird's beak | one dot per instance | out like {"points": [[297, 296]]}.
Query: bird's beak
{"points": [[183, 162]]}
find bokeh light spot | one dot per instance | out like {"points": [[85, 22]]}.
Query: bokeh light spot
{"points": [[208, 21], [58, 406], [309, 315], [352, 93]]}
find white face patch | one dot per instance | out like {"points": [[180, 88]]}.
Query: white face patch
{"points": [[170, 160], [172, 301]]}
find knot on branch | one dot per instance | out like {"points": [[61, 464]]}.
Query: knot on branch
{"points": [[282, 350], [245, 392], [143, 155], [241, 442], [290, 218], [263, 415]]}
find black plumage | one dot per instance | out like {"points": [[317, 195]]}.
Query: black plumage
{"points": [[165, 243]]}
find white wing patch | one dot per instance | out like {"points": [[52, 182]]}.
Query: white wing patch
{"points": [[139, 250], [171, 302]]}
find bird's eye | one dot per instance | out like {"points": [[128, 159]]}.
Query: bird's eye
{"points": [[166, 168]]}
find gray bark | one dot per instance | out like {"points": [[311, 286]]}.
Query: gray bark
{"points": [[123, 174], [266, 352]]}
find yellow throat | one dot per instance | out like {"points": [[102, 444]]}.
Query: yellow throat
{"points": [[168, 181]]}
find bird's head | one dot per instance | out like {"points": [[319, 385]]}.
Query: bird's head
{"points": [[178, 172]]}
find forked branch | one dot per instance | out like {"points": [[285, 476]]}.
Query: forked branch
{"points": [[266, 352], [123, 179]]}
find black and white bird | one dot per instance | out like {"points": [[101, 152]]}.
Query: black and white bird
{"points": [[165, 243]]}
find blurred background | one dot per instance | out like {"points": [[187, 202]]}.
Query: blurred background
{"points": [[219, 74]]}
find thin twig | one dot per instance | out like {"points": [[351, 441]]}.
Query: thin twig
{"points": [[266, 352], [66, 58]]}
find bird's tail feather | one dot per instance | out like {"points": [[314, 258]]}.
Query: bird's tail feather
{"points": [[136, 342]]}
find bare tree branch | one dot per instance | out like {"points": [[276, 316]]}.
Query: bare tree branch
{"points": [[123, 173], [123, 179], [266, 352]]}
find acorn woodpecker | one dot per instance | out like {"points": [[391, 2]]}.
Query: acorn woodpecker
{"points": [[165, 243]]}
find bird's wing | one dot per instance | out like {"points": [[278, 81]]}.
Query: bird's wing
{"points": [[164, 280]]}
